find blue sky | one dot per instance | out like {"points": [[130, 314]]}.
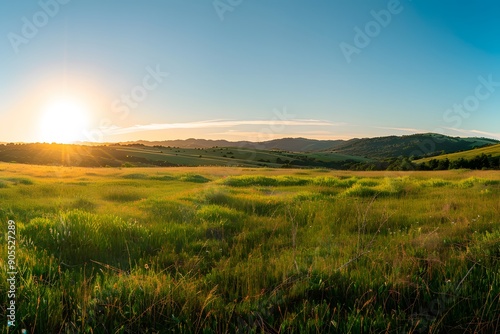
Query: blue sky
{"points": [[241, 69]]}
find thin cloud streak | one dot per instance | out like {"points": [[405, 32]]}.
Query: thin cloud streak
{"points": [[411, 130], [221, 124], [476, 132]]}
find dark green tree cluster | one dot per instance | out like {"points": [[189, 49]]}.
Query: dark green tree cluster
{"points": [[482, 161]]}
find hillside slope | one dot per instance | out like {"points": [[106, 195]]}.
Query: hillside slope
{"points": [[286, 152], [141, 155], [421, 145], [494, 150], [287, 144]]}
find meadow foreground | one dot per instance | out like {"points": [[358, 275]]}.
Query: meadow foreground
{"points": [[224, 250]]}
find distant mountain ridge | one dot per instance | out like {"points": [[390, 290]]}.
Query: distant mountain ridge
{"points": [[420, 145], [286, 144]]}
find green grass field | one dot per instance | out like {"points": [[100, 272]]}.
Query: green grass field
{"points": [[225, 250]]}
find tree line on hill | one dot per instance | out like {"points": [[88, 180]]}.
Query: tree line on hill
{"points": [[482, 161]]}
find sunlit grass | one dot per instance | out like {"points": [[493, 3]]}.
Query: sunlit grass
{"points": [[225, 250]]}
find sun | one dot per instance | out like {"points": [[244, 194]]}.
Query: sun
{"points": [[63, 121]]}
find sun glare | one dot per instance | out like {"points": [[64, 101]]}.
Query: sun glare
{"points": [[63, 121]]}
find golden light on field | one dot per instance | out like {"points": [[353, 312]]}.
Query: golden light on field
{"points": [[63, 121]]}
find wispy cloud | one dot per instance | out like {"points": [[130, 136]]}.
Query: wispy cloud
{"points": [[410, 130], [221, 124], [476, 133]]}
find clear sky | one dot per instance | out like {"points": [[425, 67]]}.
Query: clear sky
{"points": [[114, 70]]}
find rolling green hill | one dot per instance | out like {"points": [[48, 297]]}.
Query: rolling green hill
{"points": [[428, 144], [221, 156], [494, 150], [147, 156], [286, 144], [421, 145], [368, 153]]}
